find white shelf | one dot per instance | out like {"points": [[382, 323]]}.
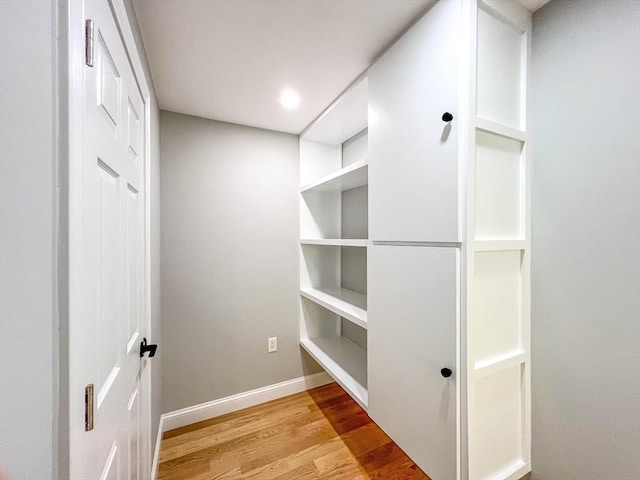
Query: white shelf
{"points": [[341, 301], [339, 242], [500, 129], [344, 361], [497, 364], [498, 245], [351, 176]]}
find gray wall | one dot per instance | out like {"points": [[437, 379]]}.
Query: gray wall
{"points": [[586, 240], [229, 259], [156, 319], [26, 239]]}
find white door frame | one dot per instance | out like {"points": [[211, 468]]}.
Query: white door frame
{"points": [[76, 60]]}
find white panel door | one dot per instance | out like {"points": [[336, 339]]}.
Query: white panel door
{"points": [[107, 255], [413, 162], [411, 338]]}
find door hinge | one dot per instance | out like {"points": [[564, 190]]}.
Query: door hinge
{"points": [[88, 407], [88, 42]]}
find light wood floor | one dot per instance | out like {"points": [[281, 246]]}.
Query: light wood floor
{"points": [[319, 434]]}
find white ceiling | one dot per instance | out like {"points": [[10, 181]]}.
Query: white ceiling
{"points": [[229, 60]]}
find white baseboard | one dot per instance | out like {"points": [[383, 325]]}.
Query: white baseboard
{"points": [[215, 408]]}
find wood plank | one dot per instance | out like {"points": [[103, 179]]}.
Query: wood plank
{"points": [[239, 426], [319, 434]]}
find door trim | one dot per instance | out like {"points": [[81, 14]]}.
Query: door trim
{"points": [[75, 135]]}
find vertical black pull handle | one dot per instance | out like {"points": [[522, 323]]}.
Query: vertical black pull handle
{"points": [[144, 348]]}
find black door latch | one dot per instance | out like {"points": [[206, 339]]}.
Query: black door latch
{"points": [[144, 348]]}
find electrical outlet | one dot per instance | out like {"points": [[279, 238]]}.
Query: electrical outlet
{"points": [[273, 344]]}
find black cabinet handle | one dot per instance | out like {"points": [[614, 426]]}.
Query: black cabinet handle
{"points": [[144, 348], [447, 117], [446, 372]]}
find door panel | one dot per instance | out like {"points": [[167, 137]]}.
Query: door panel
{"points": [[413, 155], [108, 83], [107, 238], [106, 338], [111, 470], [134, 267], [411, 337]]}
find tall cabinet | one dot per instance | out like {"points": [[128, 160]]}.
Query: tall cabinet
{"points": [[440, 357]]}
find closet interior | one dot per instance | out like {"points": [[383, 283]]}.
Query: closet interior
{"points": [[415, 241]]}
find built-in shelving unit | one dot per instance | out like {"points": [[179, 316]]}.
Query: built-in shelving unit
{"points": [[415, 241], [498, 248], [334, 240]]}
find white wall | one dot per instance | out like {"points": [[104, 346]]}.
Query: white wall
{"points": [[26, 239], [229, 259], [33, 254], [586, 240]]}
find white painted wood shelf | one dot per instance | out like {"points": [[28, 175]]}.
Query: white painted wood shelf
{"points": [[338, 242], [344, 361], [352, 176], [483, 245], [333, 215], [341, 301], [500, 129]]}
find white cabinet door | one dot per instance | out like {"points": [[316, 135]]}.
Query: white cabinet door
{"points": [[413, 164], [411, 337]]}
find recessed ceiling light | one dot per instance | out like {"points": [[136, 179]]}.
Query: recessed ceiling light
{"points": [[289, 99]]}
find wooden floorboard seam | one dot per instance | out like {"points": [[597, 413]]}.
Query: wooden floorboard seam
{"points": [[318, 434]]}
